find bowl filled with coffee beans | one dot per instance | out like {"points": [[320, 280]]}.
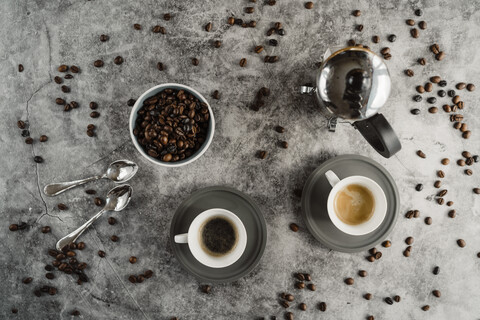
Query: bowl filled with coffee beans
{"points": [[172, 125]]}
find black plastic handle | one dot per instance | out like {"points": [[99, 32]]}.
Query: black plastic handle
{"points": [[378, 132]]}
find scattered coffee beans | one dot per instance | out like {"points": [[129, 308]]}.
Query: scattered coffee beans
{"points": [[461, 243]]}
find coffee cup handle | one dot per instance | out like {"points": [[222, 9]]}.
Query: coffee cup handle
{"points": [[181, 238], [332, 178]]}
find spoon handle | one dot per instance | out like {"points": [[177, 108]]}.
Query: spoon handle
{"points": [[54, 189], [71, 237]]}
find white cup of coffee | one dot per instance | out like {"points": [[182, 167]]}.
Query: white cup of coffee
{"points": [[216, 237], [356, 205]]}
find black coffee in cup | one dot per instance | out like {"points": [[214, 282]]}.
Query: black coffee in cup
{"points": [[218, 236]]}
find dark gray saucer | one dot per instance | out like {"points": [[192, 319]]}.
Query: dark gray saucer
{"points": [[236, 202], [315, 195]]}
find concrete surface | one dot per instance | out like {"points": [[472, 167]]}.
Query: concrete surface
{"points": [[41, 35]]}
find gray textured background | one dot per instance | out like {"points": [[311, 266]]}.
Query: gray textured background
{"points": [[44, 34]]}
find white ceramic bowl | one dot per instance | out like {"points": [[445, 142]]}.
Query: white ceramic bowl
{"points": [[153, 91]]}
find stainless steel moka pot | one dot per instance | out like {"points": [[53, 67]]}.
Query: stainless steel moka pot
{"points": [[353, 84]]}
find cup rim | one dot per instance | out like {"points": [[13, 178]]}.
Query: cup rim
{"points": [[368, 226], [197, 251], [138, 104]]}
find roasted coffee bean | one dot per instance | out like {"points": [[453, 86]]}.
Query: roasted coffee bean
{"points": [[75, 313], [309, 5], [111, 220], [93, 105], [467, 134], [278, 25], [148, 274], [20, 68], [206, 288], [62, 206], [311, 287], [476, 190], [426, 307], [262, 154], [414, 33], [466, 154], [461, 85], [409, 214], [231, 21], [101, 254], [433, 110], [137, 26], [52, 291], [417, 98], [385, 50], [419, 187], [442, 193], [132, 279], [28, 140], [351, 43], [81, 245], [410, 22], [378, 255], [349, 281], [461, 162], [368, 296], [216, 95], [58, 80], [27, 280], [370, 258], [289, 297], [422, 61], [359, 27], [114, 238], [300, 285], [428, 220], [98, 63], [118, 60], [271, 2], [158, 29], [447, 108], [74, 104], [409, 240], [67, 107], [68, 76], [284, 144], [243, 62], [362, 273], [419, 12], [397, 298], [46, 229], [470, 87], [356, 13], [132, 259], [273, 42], [104, 37], [71, 254], [21, 124], [422, 25], [195, 61], [281, 32], [436, 270], [322, 306], [445, 161], [421, 154], [415, 111], [461, 243], [441, 93], [300, 276], [439, 56], [294, 227], [208, 27], [437, 293], [386, 244], [90, 133], [410, 73], [372, 251], [75, 69], [476, 158], [420, 89], [49, 276], [289, 316], [249, 10], [94, 114], [392, 38], [63, 68], [59, 101], [284, 304], [435, 79], [375, 39], [258, 49], [406, 253], [217, 43], [468, 172], [388, 300], [428, 87], [43, 138], [432, 100], [252, 24]]}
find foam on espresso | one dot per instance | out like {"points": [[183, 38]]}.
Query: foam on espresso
{"points": [[354, 204]]}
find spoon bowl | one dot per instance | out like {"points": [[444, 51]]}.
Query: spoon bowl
{"points": [[121, 170]]}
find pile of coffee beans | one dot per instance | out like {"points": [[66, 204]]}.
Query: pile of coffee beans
{"points": [[172, 125], [141, 277], [66, 261]]}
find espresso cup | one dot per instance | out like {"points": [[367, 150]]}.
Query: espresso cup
{"points": [[379, 210], [194, 239]]}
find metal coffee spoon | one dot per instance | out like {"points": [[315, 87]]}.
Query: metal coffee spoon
{"points": [[117, 199], [119, 171]]}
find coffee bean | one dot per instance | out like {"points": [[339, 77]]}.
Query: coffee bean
{"points": [[467, 134], [470, 87], [359, 27], [385, 50], [148, 274], [432, 100], [420, 89], [410, 22], [67, 107], [294, 227], [349, 281], [311, 287], [262, 154], [208, 27], [386, 244], [387, 56], [243, 62], [388, 300], [421, 154], [132, 279], [289, 297], [322, 306], [428, 220], [417, 98], [132, 259], [300, 285], [410, 73], [302, 306], [428, 87], [81, 245], [98, 63], [62, 206], [104, 37], [68, 76], [195, 61], [440, 201], [300, 276], [406, 253], [414, 33], [63, 68], [273, 42], [289, 316], [284, 304], [50, 276], [46, 229], [392, 38], [419, 187], [59, 101], [362, 273], [27, 280], [461, 243], [441, 93], [415, 111], [426, 307], [93, 105], [284, 144], [94, 114], [409, 240], [409, 214], [445, 161], [118, 60], [375, 39], [461, 162], [159, 29], [206, 288], [439, 56], [309, 5], [461, 85], [258, 49], [217, 43], [433, 110], [422, 25], [52, 291], [442, 193], [28, 140], [397, 298], [468, 172], [452, 214], [422, 61], [378, 255], [438, 183], [58, 80]]}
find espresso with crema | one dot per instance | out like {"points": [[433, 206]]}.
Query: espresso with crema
{"points": [[218, 236], [354, 204]]}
